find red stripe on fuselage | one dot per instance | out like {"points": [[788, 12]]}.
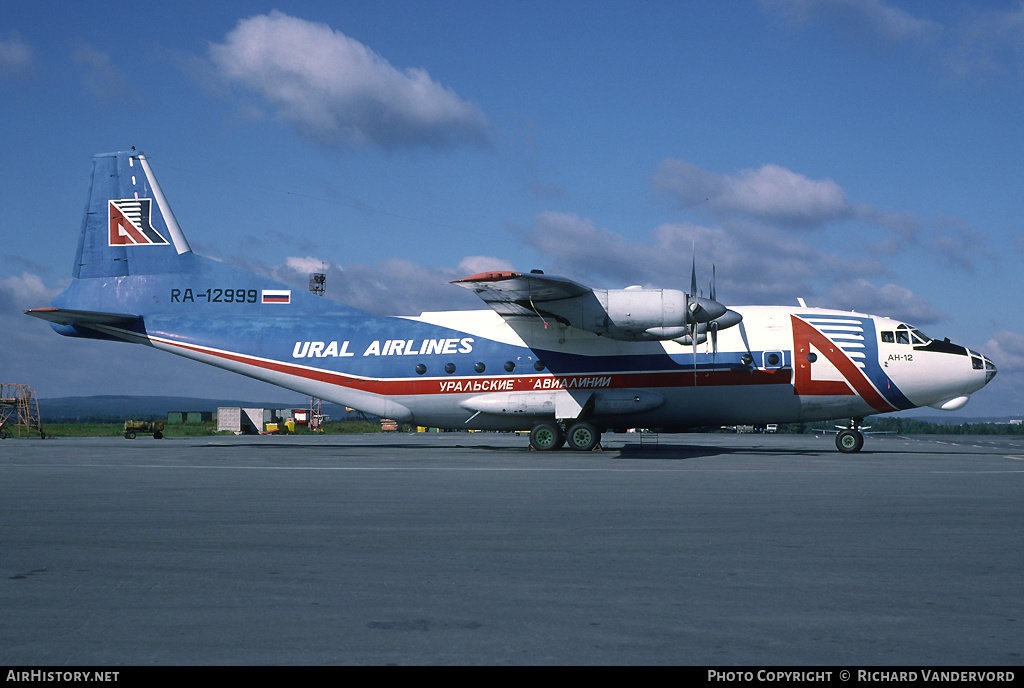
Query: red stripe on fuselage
{"points": [[478, 384]]}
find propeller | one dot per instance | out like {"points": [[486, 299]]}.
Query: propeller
{"points": [[707, 316], [702, 310]]}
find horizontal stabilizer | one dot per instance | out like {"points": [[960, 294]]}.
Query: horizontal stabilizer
{"points": [[66, 316]]}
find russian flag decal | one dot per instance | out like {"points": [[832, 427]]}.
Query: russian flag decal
{"points": [[276, 296]]}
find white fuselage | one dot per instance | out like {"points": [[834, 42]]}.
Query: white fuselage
{"points": [[780, 365]]}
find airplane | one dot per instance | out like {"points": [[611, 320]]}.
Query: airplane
{"points": [[549, 355]]}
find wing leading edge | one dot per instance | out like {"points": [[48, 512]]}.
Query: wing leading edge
{"points": [[516, 294]]}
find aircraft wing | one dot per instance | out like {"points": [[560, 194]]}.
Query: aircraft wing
{"points": [[66, 316], [630, 314], [514, 293]]}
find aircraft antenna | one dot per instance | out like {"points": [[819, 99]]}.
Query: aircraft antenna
{"points": [[316, 283]]}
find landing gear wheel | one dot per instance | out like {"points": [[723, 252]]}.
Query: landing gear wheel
{"points": [[546, 437], [130, 435], [158, 435], [849, 441], [583, 436]]}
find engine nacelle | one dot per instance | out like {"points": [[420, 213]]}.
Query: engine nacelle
{"points": [[639, 310], [635, 313]]}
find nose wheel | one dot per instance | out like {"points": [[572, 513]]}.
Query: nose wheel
{"points": [[850, 440]]}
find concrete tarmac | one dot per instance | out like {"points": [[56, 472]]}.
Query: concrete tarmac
{"points": [[715, 550]]}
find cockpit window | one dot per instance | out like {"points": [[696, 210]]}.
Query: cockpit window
{"points": [[905, 334]]}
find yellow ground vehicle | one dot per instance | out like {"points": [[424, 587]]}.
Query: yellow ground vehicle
{"points": [[145, 427]]}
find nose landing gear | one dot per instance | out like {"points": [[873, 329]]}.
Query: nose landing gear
{"points": [[850, 440]]}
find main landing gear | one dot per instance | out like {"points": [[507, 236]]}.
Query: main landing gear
{"points": [[551, 435], [850, 440]]}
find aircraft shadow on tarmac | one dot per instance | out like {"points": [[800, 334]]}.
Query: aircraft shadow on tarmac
{"points": [[678, 452], [632, 451]]}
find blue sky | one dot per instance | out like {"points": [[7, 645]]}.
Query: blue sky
{"points": [[859, 154]]}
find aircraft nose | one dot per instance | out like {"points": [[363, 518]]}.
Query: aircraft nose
{"points": [[990, 370], [982, 362]]}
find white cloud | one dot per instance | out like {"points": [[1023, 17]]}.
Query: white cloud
{"points": [[472, 265], [580, 250], [770, 193], [26, 291], [890, 300], [307, 265], [338, 92], [873, 19], [949, 241], [980, 42], [1006, 349], [393, 286], [776, 196], [754, 264], [989, 43]]}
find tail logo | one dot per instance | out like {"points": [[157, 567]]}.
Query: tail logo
{"points": [[131, 225]]}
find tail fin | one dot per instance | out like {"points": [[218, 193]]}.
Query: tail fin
{"points": [[128, 228], [134, 265]]}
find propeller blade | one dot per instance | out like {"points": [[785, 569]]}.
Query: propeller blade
{"points": [[694, 331], [730, 319], [693, 271], [746, 342], [713, 328]]}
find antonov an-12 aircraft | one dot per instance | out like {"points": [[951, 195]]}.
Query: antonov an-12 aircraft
{"points": [[550, 355]]}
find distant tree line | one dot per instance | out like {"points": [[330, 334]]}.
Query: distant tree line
{"points": [[911, 426]]}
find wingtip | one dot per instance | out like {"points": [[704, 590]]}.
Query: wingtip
{"points": [[492, 276]]}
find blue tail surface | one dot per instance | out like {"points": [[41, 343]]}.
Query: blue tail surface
{"points": [[134, 263], [128, 228]]}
